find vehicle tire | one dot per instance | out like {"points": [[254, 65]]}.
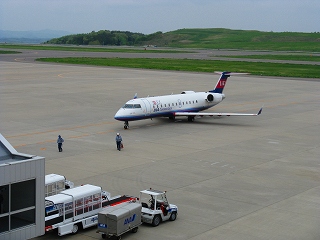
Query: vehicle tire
{"points": [[103, 236], [173, 216], [134, 230], [156, 220], [75, 229]]}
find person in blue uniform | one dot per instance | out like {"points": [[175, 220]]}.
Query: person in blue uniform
{"points": [[118, 141], [60, 141]]}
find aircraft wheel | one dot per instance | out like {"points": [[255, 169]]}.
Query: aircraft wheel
{"points": [[126, 125], [190, 119]]}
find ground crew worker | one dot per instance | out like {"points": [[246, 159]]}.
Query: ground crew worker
{"points": [[60, 141], [118, 141]]}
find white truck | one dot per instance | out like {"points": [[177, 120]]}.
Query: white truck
{"points": [[78, 207], [156, 208], [55, 183]]}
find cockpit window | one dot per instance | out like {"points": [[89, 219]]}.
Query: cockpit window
{"points": [[132, 106], [128, 106]]}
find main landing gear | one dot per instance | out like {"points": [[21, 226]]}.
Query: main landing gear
{"points": [[126, 125], [190, 118]]}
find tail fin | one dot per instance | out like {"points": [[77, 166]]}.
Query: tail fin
{"points": [[221, 83]]}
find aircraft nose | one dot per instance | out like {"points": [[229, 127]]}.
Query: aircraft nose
{"points": [[118, 114]]}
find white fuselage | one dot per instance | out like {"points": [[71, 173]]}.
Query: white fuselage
{"points": [[168, 105]]}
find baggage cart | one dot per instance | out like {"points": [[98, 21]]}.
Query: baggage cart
{"points": [[117, 220]]}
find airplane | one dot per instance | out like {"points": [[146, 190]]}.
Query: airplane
{"points": [[188, 103]]}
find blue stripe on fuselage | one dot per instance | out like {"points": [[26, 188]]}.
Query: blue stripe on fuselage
{"points": [[158, 114]]}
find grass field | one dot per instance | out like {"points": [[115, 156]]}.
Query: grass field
{"points": [[221, 38], [289, 45], [8, 52], [296, 57], [254, 68]]}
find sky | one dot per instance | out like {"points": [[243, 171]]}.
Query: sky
{"points": [[149, 16]]}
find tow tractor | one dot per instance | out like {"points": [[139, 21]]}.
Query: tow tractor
{"points": [[156, 208]]}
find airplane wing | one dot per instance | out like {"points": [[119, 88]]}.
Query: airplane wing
{"points": [[202, 114]]}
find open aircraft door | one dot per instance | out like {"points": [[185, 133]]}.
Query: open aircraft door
{"points": [[147, 107]]}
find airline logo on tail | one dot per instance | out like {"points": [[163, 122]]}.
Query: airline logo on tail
{"points": [[222, 83]]}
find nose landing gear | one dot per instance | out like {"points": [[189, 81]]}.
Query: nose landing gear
{"points": [[126, 125]]}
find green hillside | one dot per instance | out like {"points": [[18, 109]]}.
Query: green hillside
{"points": [[213, 38], [219, 38]]}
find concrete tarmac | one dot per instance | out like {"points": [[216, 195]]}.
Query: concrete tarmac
{"points": [[244, 178]]}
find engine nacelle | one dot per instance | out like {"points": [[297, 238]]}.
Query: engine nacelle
{"points": [[210, 98], [187, 92], [214, 97]]}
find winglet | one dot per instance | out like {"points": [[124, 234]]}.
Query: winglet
{"points": [[135, 96], [260, 111]]}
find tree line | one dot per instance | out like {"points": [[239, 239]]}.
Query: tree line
{"points": [[104, 37]]}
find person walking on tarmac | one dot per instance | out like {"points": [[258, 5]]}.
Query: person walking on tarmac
{"points": [[118, 141], [60, 141]]}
